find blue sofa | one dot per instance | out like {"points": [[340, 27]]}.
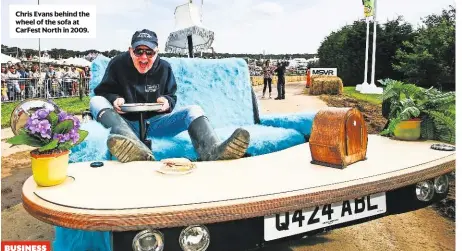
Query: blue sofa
{"points": [[223, 89]]}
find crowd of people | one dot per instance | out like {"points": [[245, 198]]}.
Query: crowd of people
{"points": [[24, 80], [21, 81]]}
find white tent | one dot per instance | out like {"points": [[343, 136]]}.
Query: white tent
{"points": [[43, 60], [46, 60], [82, 62], [6, 58], [190, 34]]}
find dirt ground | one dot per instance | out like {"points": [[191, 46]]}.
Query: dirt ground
{"points": [[372, 113], [431, 228]]}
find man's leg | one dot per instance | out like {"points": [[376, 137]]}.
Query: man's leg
{"points": [[10, 91], [203, 136], [264, 87], [279, 89], [283, 88], [269, 86], [169, 124], [122, 142]]}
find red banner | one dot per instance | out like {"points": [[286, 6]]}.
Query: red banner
{"points": [[26, 246]]}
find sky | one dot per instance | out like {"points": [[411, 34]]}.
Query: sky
{"points": [[240, 26]]}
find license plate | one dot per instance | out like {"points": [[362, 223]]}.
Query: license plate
{"points": [[301, 221]]}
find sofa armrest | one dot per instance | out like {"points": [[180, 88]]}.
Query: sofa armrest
{"points": [[302, 121]]}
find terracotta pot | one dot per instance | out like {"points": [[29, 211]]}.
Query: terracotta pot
{"points": [[408, 129], [50, 169]]}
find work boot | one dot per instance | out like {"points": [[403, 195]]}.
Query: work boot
{"points": [[122, 141], [208, 146]]}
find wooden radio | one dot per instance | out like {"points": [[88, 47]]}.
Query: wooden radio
{"points": [[338, 137]]}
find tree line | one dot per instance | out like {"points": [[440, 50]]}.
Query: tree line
{"points": [[64, 53], [424, 56]]}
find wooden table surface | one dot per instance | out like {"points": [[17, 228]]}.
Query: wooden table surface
{"points": [[132, 196]]}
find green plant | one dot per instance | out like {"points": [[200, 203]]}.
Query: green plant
{"points": [[436, 109], [51, 131]]}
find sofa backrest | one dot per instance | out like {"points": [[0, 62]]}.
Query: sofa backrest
{"points": [[221, 87]]}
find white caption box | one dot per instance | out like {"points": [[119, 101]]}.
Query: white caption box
{"points": [[52, 21]]}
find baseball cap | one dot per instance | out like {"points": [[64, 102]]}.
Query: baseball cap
{"points": [[145, 37]]}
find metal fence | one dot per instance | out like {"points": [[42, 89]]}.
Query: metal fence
{"points": [[23, 88]]}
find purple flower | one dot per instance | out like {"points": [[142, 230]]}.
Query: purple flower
{"points": [[39, 125], [42, 113], [75, 137], [33, 125], [76, 123], [34, 116], [36, 124], [44, 128], [62, 116], [72, 135], [61, 137]]}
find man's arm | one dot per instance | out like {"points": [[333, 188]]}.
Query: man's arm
{"points": [[108, 87], [170, 89]]}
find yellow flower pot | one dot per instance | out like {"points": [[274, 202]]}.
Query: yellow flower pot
{"points": [[50, 169], [408, 130]]}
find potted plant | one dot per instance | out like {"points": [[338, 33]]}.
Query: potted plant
{"points": [[414, 112], [54, 133]]}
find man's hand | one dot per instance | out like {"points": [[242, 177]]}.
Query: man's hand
{"points": [[117, 103], [165, 103]]}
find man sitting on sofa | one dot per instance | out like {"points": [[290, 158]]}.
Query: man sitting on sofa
{"points": [[140, 76]]}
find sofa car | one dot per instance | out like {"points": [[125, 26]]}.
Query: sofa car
{"points": [[255, 210]]}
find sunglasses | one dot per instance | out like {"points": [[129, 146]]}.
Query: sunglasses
{"points": [[149, 53]]}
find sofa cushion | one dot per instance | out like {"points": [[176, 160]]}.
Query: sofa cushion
{"points": [[263, 140], [220, 86]]}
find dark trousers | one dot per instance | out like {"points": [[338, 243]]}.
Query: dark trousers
{"points": [[29, 90], [281, 87], [267, 81]]}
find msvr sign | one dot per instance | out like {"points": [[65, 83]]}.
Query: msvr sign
{"points": [[323, 71]]}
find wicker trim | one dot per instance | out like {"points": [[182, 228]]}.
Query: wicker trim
{"points": [[104, 221]]}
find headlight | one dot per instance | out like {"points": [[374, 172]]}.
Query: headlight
{"points": [[195, 238], [148, 240], [441, 184], [425, 190]]}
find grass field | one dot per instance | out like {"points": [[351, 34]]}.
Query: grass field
{"points": [[71, 105], [372, 98], [351, 92]]}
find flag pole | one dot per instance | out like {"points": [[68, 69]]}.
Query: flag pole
{"points": [[358, 87], [374, 48], [372, 88]]}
